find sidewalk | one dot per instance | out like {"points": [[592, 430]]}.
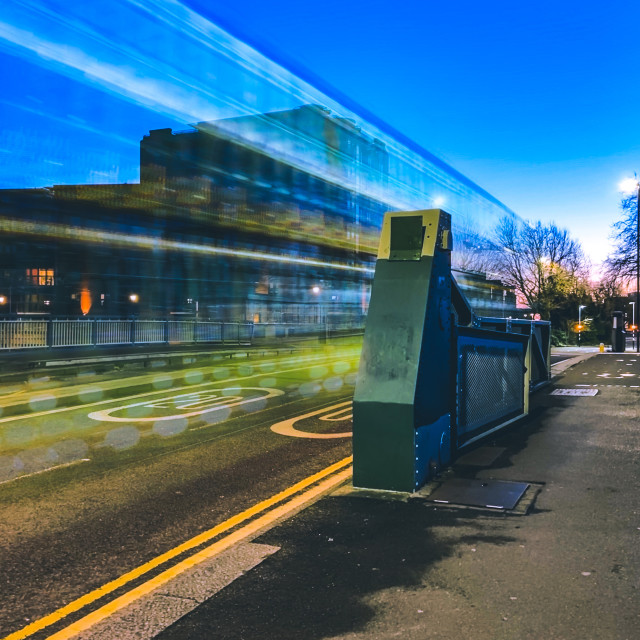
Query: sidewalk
{"points": [[379, 566]]}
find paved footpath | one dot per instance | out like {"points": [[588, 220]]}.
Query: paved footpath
{"points": [[351, 566]]}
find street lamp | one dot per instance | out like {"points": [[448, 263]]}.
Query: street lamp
{"points": [[629, 186], [580, 308], [4, 299], [633, 321]]}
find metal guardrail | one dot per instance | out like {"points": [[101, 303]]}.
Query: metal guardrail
{"points": [[111, 332], [82, 332], [37, 334], [150, 332], [29, 334], [70, 333]]}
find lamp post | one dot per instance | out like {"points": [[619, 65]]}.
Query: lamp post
{"points": [[580, 308], [631, 185], [134, 298], [4, 299], [633, 321], [317, 290]]}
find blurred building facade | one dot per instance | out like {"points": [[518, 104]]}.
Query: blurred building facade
{"points": [[266, 218]]}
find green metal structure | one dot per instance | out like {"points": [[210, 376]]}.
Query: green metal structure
{"points": [[433, 377], [406, 348]]}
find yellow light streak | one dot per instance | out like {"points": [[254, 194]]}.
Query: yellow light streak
{"points": [[112, 238]]}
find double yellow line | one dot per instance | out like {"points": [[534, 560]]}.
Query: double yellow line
{"points": [[316, 485]]}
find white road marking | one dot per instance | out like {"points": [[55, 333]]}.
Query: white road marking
{"points": [[41, 471], [340, 411], [37, 414], [206, 401]]}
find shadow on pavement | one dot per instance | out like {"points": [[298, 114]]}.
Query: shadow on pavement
{"points": [[335, 555]]}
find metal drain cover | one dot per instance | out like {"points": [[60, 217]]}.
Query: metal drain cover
{"points": [[492, 494]]}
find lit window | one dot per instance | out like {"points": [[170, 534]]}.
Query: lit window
{"points": [[40, 277]]}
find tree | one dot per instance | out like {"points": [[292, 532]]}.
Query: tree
{"points": [[622, 263], [546, 266]]}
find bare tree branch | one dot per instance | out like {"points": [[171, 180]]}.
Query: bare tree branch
{"points": [[542, 262], [621, 264]]}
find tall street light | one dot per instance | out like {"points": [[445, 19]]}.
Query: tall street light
{"points": [[629, 186], [580, 308]]}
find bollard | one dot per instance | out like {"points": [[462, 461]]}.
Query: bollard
{"points": [[618, 334]]}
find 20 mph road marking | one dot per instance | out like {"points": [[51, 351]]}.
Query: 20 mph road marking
{"points": [[286, 428]]}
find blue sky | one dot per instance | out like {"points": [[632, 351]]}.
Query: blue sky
{"points": [[536, 102]]}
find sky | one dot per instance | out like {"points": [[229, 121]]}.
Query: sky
{"points": [[535, 102]]}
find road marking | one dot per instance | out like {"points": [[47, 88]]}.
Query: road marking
{"points": [[198, 540], [286, 428], [216, 548], [37, 473], [208, 401], [37, 414]]}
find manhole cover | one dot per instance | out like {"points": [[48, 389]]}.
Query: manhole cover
{"points": [[492, 494], [574, 392]]}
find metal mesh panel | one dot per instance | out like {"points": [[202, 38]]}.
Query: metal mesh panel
{"points": [[490, 385]]}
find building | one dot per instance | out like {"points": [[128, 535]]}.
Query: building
{"points": [[267, 218]]}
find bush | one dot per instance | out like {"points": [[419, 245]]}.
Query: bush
{"points": [[559, 338]]}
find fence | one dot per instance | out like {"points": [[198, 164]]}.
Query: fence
{"points": [[38, 334]]}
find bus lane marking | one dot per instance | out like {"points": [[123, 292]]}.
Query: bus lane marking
{"points": [[199, 402], [334, 413], [37, 414]]}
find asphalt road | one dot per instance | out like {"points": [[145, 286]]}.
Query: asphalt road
{"points": [[100, 474], [103, 474], [368, 567]]}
